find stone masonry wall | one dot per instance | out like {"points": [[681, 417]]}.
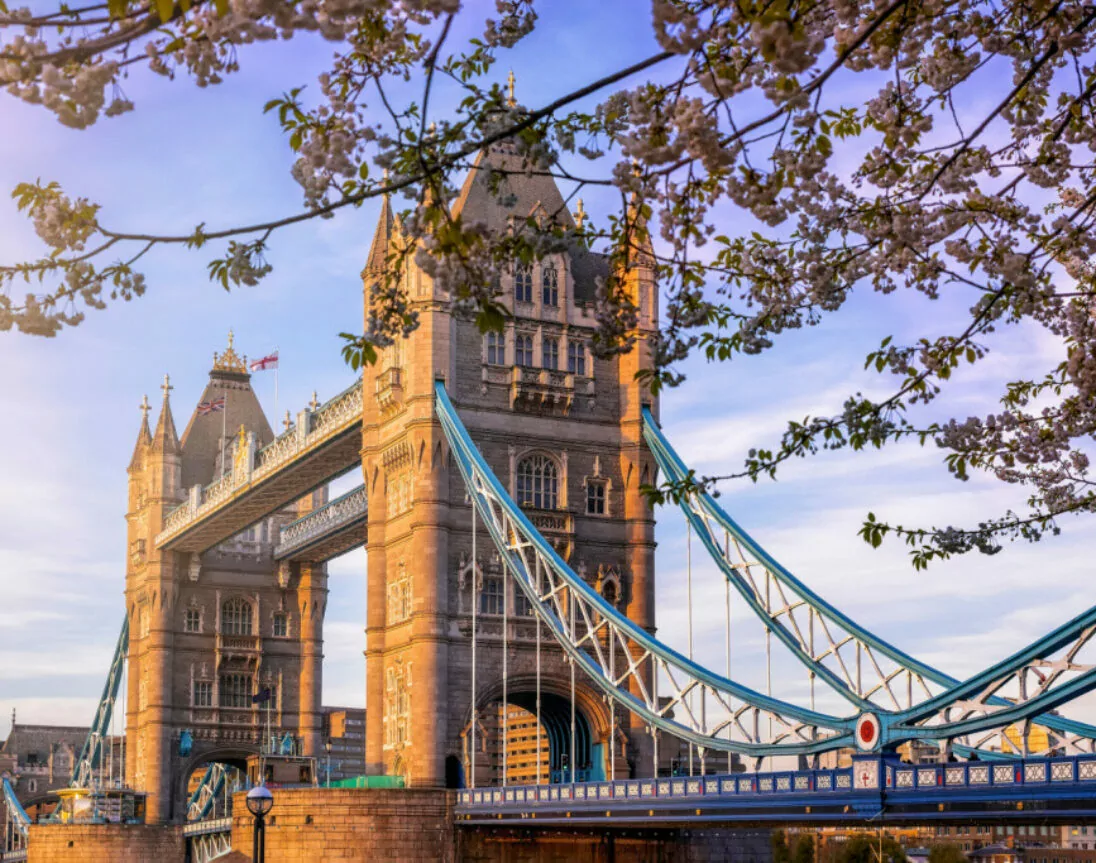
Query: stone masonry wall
{"points": [[700, 845], [339, 825], [105, 843]]}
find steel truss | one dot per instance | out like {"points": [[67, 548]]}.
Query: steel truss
{"points": [[212, 841], [83, 771], [214, 793], [872, 674], [619, 657], [628, 664], [16, 822]]}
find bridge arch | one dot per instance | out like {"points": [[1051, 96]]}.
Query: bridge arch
{"points": [[592, 726], [197, 763]]}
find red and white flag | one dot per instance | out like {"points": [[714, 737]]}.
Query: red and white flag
{"points": [[270, 361]]}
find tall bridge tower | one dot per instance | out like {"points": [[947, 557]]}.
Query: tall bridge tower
{"points": [[562, 429], [210, 629]]}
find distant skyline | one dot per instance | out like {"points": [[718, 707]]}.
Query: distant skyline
{"points": [[70, 404]]}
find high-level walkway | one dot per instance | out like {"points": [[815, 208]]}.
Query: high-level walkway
{"points": [[323, 444]]}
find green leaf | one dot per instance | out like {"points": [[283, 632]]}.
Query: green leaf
{"points": [[165, 9]]}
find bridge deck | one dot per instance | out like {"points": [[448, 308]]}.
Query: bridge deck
{"points": [[1045, 789], [325, 444]]}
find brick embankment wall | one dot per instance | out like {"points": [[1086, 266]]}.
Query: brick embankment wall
{"points": [[337, 825], [706, 845], [105, 843]]}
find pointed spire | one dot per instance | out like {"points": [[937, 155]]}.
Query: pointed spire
{"points": [[511, 102], [580, 215], [377, 262], [144, 437], [165, 439]]}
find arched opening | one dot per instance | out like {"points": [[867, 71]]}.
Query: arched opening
{"points": [[454, 774], [513, 741], [193, 771]]}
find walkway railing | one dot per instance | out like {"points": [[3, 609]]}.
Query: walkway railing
{"points": [[1008, 784], [335, 516], [250, 467]]}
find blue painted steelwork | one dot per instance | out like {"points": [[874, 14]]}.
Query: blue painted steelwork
{"points": [[546, 579], [83, 771], [212, 788], [523, 550], [876, 789], [704, 514], [17, 819]]}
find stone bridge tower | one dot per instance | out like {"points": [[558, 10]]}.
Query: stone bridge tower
{"points": [[209, 630], [560, 428]]}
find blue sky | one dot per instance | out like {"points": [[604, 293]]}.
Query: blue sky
{"points": [[187, 155]]}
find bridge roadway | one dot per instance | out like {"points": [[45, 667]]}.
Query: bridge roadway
{"points": [[1060, 790], [324, 444]]}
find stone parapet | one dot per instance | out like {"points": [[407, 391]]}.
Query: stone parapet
{"points": [[340, 825], [105, 843]]}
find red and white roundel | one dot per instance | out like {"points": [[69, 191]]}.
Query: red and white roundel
{"points": [[867, 731]]}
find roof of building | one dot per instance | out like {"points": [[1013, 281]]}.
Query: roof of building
{"points": [[502, 186], [42, 738], [991, 851], [202, 439]]}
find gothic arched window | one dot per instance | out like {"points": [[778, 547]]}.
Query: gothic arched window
{"points": [[550, 282], [538, 482], [523, 284], [236, 617]]}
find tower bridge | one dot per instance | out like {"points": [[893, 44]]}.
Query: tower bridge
{"points": [[510, 568]]}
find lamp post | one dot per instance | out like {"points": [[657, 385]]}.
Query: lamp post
{"points": [[259, 802], [327, 747]]}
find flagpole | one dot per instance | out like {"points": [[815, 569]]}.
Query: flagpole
{"points": [[224, 432]]}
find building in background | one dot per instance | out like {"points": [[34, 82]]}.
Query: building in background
{"points": [[38, 759], [344, 743]]}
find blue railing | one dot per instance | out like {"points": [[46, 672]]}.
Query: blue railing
{"points": [[866, 776]]}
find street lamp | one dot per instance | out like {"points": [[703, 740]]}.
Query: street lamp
{"points": [[259, 802], [327, 746]]}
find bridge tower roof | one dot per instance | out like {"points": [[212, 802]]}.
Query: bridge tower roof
{"points": [[206, 431]]}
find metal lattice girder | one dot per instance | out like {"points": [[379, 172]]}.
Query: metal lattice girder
{"points": [[83, 771], [203, 802], [863, 668], [17, 821], [620, 657]]}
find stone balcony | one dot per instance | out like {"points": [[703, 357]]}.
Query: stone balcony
{"points": [[388, 389], [555, 525], [245, 650], [540, 390]]}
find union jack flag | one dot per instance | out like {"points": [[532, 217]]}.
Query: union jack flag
{"points": [[211, 407]]}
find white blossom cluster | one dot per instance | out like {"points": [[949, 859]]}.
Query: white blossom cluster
{"points": [[886, 145]]}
